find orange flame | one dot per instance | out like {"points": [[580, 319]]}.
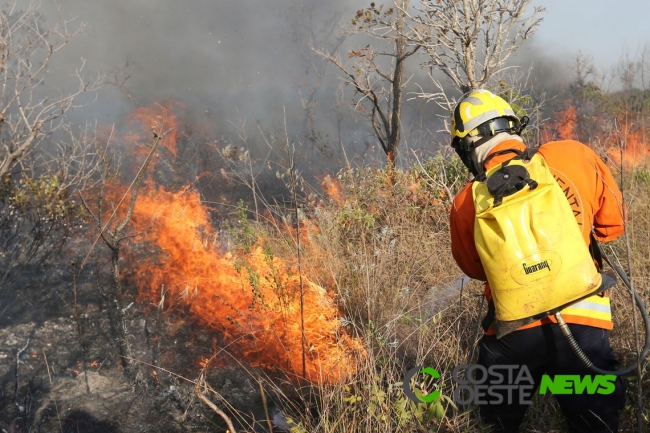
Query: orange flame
{"points": [[160, 118], [253, 304], [332, 188], [632, 151], [562, 126], [626, 147]]}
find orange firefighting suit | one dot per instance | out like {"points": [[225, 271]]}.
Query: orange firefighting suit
{"points": [[596, 202]]}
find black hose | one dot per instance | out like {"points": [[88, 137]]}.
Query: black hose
{"points": [[572, 341], [564, 328]]}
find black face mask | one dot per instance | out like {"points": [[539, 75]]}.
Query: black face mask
{"points": [[465, 155], [464, 148]]}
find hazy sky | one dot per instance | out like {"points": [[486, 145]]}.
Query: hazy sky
{"points": [[598, 28]]}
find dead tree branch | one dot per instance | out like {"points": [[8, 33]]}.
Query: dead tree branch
{"points": [[469, 41], [377, 71], [200, 383]]}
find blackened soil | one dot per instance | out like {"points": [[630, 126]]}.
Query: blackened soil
{"points": [[62, 369]]}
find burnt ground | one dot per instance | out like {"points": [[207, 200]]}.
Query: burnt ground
{"points": [[61, 370]]}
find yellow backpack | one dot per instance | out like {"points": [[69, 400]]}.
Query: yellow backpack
{"points": [[529, 243]]}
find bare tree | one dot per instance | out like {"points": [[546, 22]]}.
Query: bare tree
{"points": [[30, 112], [629, 69], [377, 73], [38, 214], [470, 41], [42, 158]]}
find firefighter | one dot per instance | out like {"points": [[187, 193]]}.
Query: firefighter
{"points": [[483, 127]]}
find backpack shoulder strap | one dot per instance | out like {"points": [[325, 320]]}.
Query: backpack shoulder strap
{"points": [[518, 153], [526, 155], [510, 178]]}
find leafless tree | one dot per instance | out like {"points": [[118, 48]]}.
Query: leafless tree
{"points": [[377, 72], [29, 111], [42, 158], [630, 69], [469, 41]]}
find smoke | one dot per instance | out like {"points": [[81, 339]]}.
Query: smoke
{"points": [[216, 55], [229, 61]]}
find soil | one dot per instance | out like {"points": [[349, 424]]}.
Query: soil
{"points": [[61, 369]]}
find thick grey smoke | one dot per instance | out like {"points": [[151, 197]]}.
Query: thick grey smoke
{"points": [[211, 53], [226, 60]]}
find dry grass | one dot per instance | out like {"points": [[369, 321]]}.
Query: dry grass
{"points": [[625, 338], [383, 249]]}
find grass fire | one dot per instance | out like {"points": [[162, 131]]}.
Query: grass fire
{"points": [[226, 217]]}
